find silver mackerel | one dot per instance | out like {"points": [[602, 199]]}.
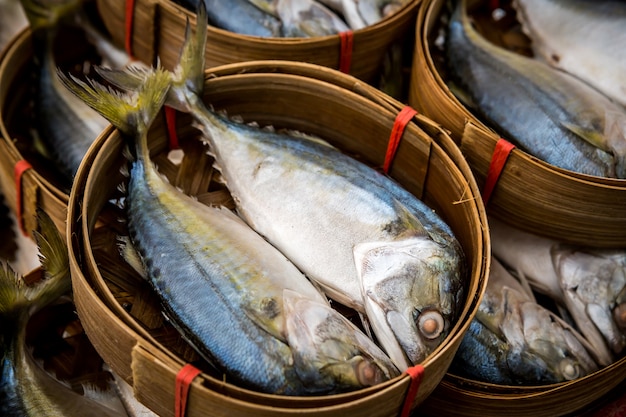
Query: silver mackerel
{"points": [[368, 242], [546, 112]]}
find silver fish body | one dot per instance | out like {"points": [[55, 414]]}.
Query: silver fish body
{"points": [[239, 16], [373, 11], [590, 283], [64, 122], [308, 18], [214, 303], [548, 113], [339, 221], [66, 125], [222, 284], [362, 13], [26, 389], [514, 341], [583, 38]]}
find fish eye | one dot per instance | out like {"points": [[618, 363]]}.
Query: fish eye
{"points": [[569, 369], [430, 324], [368, 373], [619, 315]]}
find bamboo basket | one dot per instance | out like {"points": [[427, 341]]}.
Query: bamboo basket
{"points": [[158, 28], [38, 185], [123, 318], [457, 396], [530, 194]]}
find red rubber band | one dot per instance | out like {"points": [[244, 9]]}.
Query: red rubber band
{"points": [[402, 119], [170, 121], [498, 161], [19, 169], [345, 56], [416, 373], [128, 26], [183, 381]]}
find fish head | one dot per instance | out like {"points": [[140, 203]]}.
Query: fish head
{"points": [[594, 284], [556, 351], [330, 353], [412, 291]]}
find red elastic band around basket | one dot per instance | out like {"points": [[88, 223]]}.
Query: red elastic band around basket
{"points": [[402, 119], [170, 121], [498, 160], [345, 55], [183, 381], [19, 169], [416, 373], [128, 27]]}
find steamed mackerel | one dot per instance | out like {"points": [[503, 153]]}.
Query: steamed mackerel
{"points": [[26, 389], [223, 285], [584, 38], [63, 122], [515, 341], [546, 112], [590, 283], [368, 242]]}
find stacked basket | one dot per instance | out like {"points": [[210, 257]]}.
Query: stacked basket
{"points": [[121, 315], [360, 53], [530, 195]]}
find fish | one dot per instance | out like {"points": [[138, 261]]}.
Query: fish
{"points": [[26, 389], [363, 13], [548, 113], [512, 340], [239, 16], [66, 125], [308, 18], [369, 243], [590, 283], [231, 305], [12, 21], [583, 38]]}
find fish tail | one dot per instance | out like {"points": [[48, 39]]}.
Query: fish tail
{"points": [[189, 72], [131, 112], [191, 60], [19, 300]]}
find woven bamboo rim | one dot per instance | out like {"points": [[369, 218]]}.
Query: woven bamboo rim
{"points": [[464, 397], [159, 27], [148, 358], [36, 188], [530, 194]]}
